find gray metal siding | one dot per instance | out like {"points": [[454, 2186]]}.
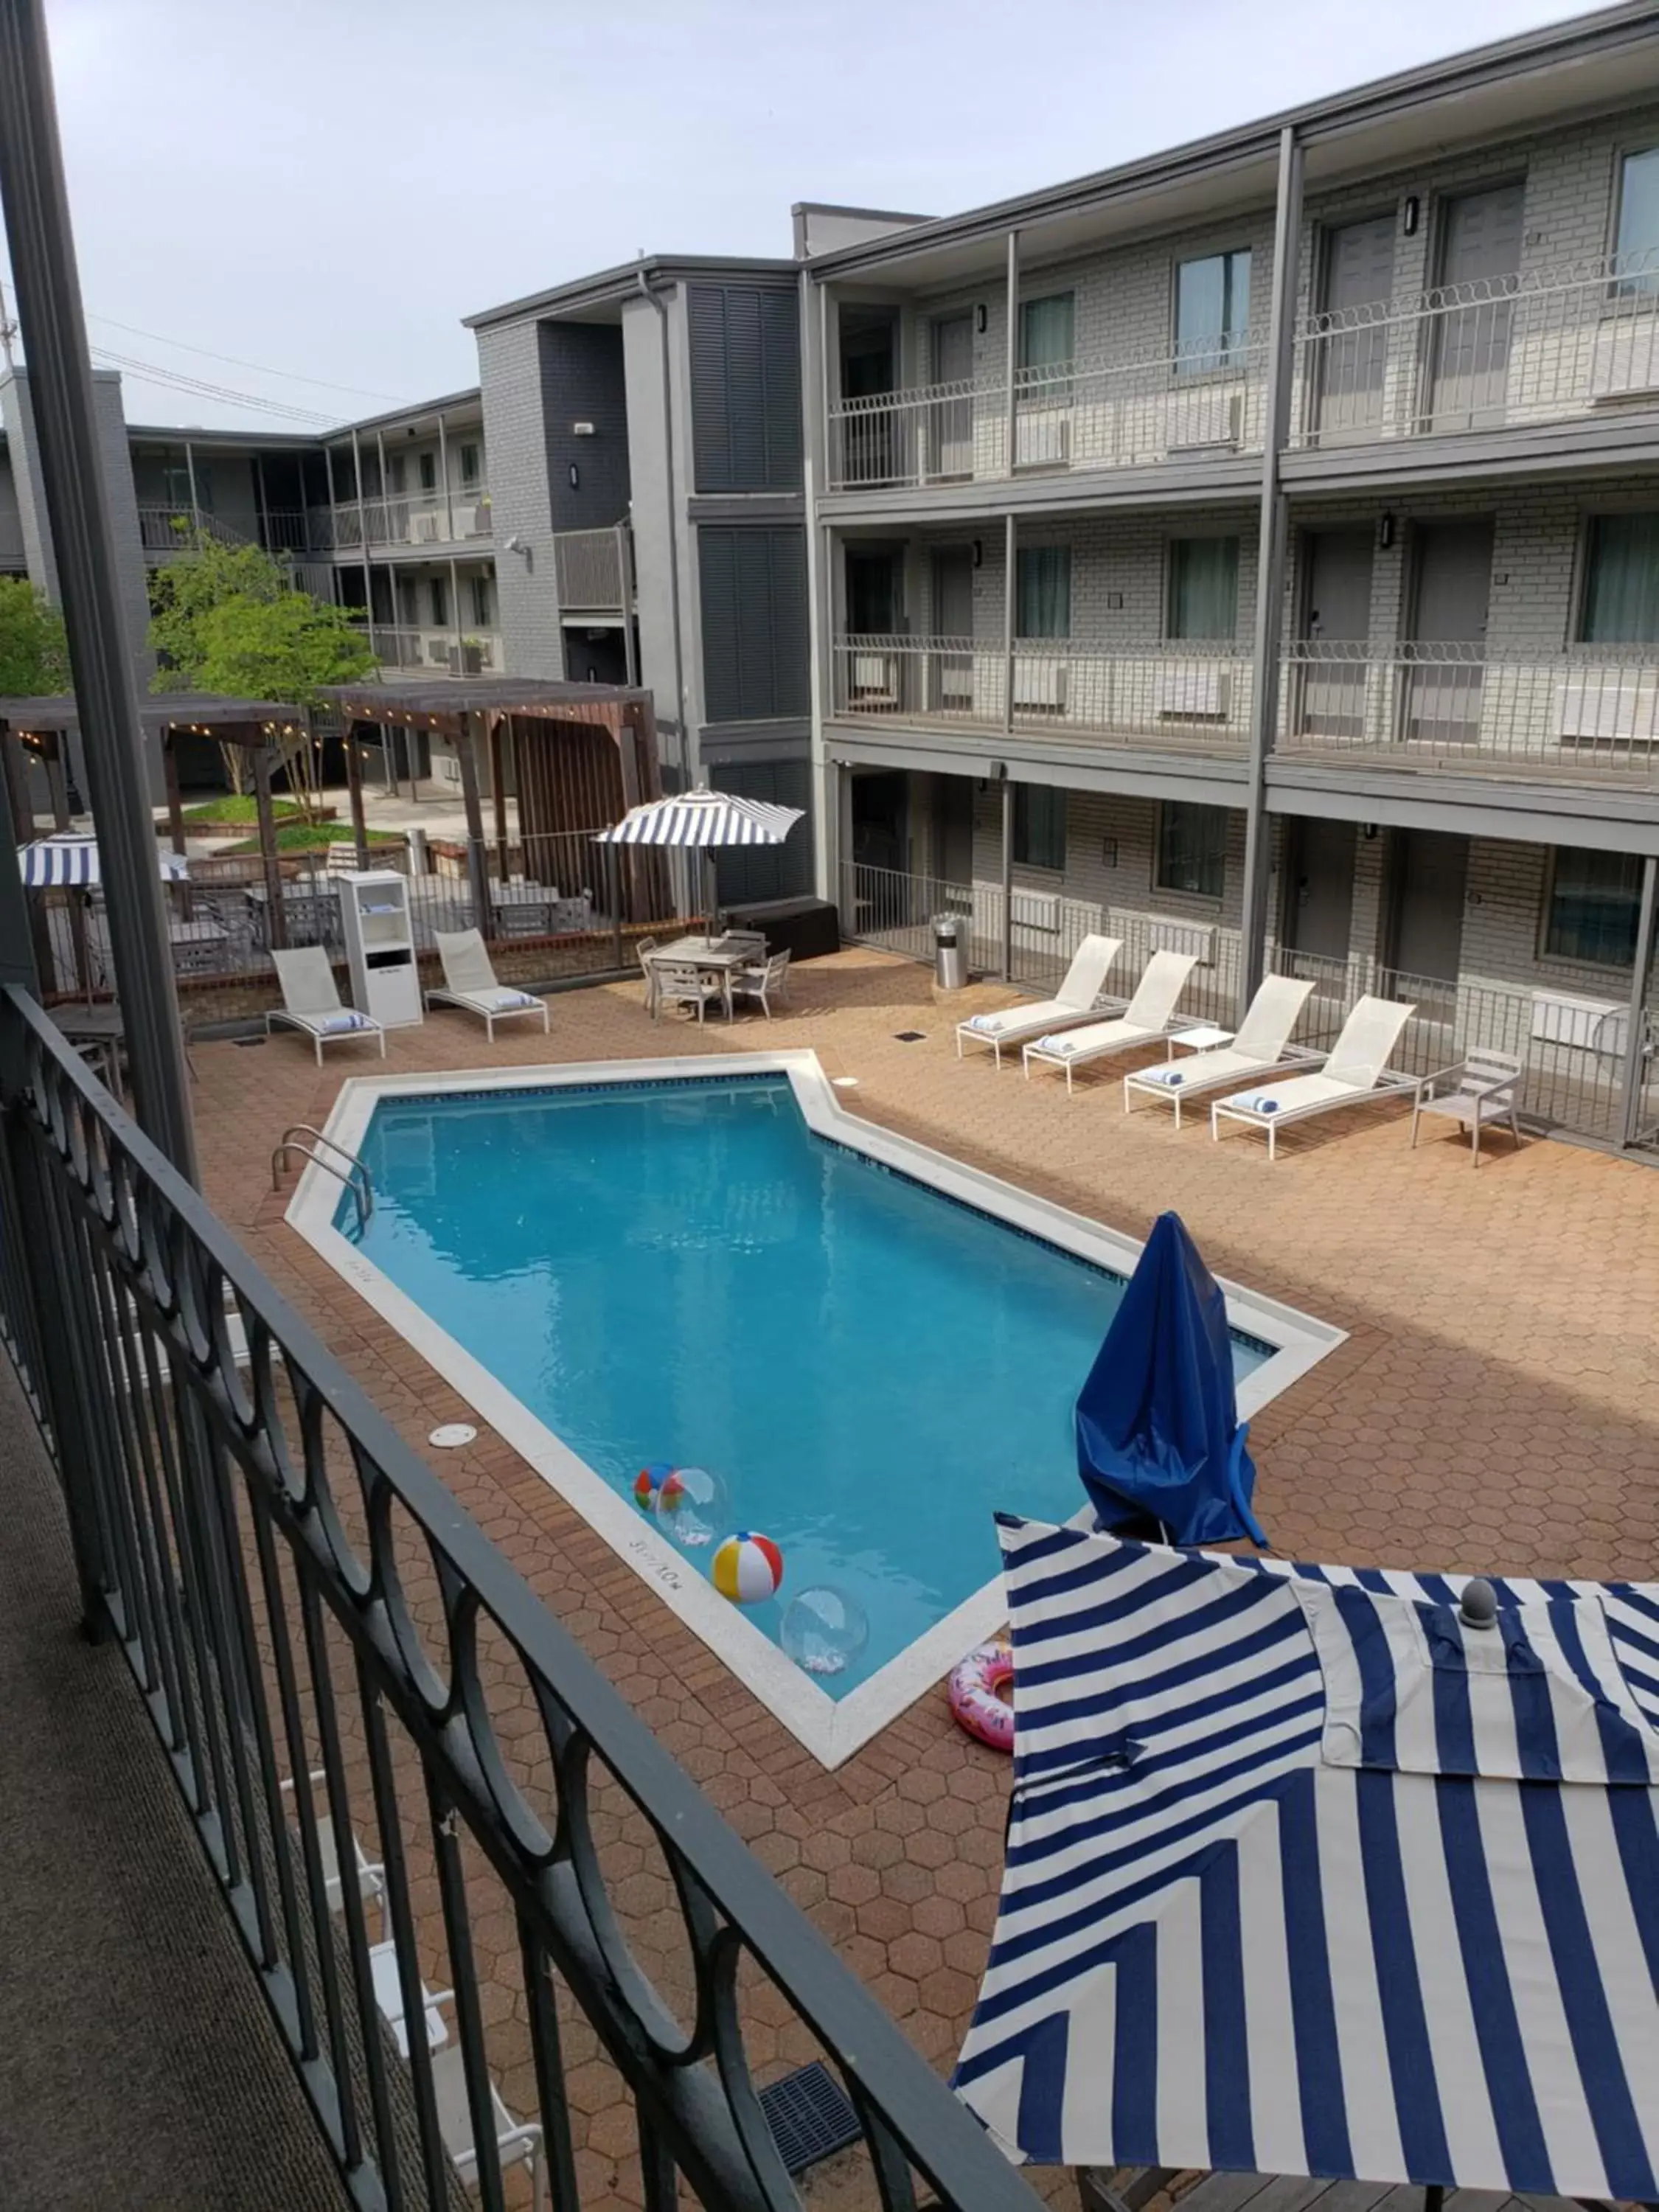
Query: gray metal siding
{"points": [[754, 624], [768, 871], [745, 388], [583, 381]]}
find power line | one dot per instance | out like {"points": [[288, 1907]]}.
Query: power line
{"points": [[234, 361], [148, 372]]}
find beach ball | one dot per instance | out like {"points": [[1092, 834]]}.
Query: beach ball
{"points": [[648, 1483], [823, 1630], [692, 1507], [747, 1569]]}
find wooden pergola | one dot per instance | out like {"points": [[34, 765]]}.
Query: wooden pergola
{"points": [[582, 753]]}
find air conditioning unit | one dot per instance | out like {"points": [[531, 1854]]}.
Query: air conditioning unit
{"points": [[1039, 687], [469, 519], [875, 680], [1195, 939], [1193, 691], [1201, 420], [1604, 703], [1598, 1025], [426, 528], [1036, 910], [1042, 438]]}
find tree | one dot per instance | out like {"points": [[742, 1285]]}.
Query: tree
{"points": [[229, 618], [33, 650]]}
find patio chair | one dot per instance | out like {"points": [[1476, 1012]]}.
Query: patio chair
{"points": [[644, 950], [518, 2142], [1484, 1087], [312, 1001], [682, 983], [470, 983], [1145, 1020], [371, 1875], [1262, 1047], [1355, 1072], [760, 982], [1075, 1000]]}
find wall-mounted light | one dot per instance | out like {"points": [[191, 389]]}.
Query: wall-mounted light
{"points": [[582, 430], [982, 317], [1109, 851], [1385, 529], [1115, 600], [979, 552], [575, 477], [1368, 830], [1411, 210]]}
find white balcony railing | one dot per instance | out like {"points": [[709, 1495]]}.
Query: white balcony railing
{"points": [[593, 570], [1100, 412], [1590, 713], [424, 518], [1183, 693], [1500, 352], [435, 652]]}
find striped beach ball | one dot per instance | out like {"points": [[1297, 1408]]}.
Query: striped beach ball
{"points": [[748, 1569], [649, 1483]]}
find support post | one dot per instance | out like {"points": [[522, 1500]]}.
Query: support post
{"points": [[498, 795], [17, 939], [262, 505], [625, 574], [354, 793], [1010, 608], [1010, 431], [362, 537], [276, 913], [1270, 568], [1635, 1040], [386, 531], [443, 480], [478, 872], [175, 806], [1007, 876], [77, 507], [455, 625], [195, 500]]}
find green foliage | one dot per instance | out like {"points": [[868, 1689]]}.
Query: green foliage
{"points": [[226, 619], [308, 836], [34, 651], [229, 808]]}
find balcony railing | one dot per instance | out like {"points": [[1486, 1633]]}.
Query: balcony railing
{"points": [[424, 518], [1499, 352], [1591, 713], [166, 531], [396, 646], [593, 570], [334, 1655], [1100, 412], [1185, 693]]}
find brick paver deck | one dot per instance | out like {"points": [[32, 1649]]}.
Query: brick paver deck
{"points": [[1493, 1409]]}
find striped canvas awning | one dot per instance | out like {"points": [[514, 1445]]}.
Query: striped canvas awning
{"points": [[703, 818], [53, 862], [1306, 1876]]}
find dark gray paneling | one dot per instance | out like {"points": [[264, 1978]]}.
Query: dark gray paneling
{"points": [[754, 624], [745, 388], [581, 370], [766, 871]]}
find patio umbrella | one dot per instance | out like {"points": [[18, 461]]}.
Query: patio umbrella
{"points": [[703, 820], [1158, 1426], [1309, 1874], [56, 863]]}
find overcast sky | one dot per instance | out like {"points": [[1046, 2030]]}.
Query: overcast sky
{"points": [[325, 187]]}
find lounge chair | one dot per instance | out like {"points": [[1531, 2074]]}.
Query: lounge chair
{"points": [[470, 983], [1075, 1000], [1485, 1087], [1147, 1018], [1355, 1072], [312, 1001], [1262, 1047]]}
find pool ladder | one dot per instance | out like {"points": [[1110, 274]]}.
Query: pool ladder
{"points": [[354, 1175]]}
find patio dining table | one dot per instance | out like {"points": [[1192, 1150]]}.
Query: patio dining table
{"points": [[723, 955]]}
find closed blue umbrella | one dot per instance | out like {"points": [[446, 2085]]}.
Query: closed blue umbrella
{"points": [[1157, 1425]]}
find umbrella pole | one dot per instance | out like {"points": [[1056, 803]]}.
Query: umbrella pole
{"points": [[711, 890]]}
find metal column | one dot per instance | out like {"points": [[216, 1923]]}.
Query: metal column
{"points": [[54, 334], [1012, 354], [195, 500], [1010, 594], [1270, 568], [1007, 876], [1636, 1042], [443, 479]]}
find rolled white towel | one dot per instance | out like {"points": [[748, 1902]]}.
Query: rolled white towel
{"points": [[1254, 1102]]}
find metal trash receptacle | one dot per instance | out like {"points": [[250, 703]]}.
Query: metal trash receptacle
{"points": [[950, 957]]}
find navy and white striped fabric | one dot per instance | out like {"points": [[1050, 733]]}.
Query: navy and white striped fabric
{"points": [[702, 818], [71, 863], [1304, 1877]]}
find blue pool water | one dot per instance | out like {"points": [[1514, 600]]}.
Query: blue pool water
{"points": [[683, 1272]]}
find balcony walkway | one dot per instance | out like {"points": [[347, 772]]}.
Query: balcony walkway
{"points": [[138, 2066]]}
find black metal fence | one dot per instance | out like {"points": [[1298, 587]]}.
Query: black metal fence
{"points": [[499, 1928]]}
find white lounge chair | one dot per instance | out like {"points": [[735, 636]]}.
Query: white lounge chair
{"points": [[1074, 1002], [312, 1001], [1262, 1047], [1355, 1072], [1145, 1020], [470, 983]]}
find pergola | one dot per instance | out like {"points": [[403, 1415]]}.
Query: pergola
{"points": [[582, 753]]}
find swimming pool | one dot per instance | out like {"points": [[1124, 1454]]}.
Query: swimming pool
{"points": [[717, 1269]]}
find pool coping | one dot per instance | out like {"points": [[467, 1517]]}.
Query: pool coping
{"points": [[832, 1730]]}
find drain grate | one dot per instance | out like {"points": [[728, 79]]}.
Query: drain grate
{"points": [[810, 2115], [909, 1036]]}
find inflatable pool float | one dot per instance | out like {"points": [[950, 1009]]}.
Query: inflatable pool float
{"points": [[979, 1691]]}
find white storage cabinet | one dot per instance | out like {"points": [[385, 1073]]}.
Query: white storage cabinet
{"points": [[379, 942]]}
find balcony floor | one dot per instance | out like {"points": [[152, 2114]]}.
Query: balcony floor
{"points": [[139, 2065]]}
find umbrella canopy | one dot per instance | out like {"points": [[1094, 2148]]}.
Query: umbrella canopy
{"points": [[1157, 1427], [53, 862], [703, 818], [1307, 1876]]}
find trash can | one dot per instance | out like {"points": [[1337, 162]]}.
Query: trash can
{"points": [[950, 960]]}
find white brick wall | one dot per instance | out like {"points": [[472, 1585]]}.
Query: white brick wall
{"points": [[516, 437]]}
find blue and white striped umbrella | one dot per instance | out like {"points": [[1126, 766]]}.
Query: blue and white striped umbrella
{"points": [[56, 863], [1306, 1876], [702, 818]]}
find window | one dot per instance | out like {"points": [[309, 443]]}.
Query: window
{"points": [[1047, 328], [481, 610], [440, 591], [1042, 603], [1192, 848], [1211, 312], [1621, 581], [1039, 826], [1594, 899], [1203, 587], [470, 469], [428, 468], [408, 611], [1636, 236]]}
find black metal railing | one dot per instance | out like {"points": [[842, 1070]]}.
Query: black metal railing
{"points": [[482, 1899]]}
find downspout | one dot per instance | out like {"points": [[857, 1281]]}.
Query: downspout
{"points": [[647, 293]]}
